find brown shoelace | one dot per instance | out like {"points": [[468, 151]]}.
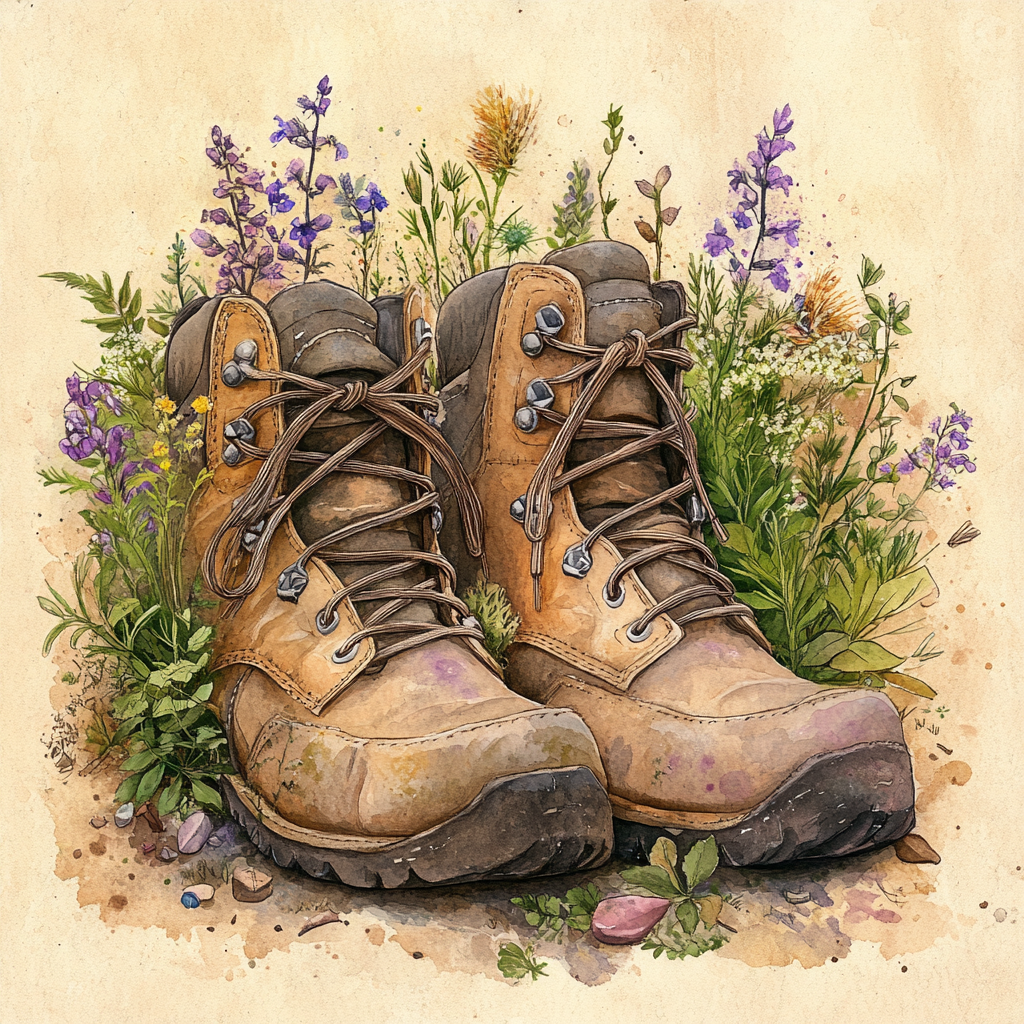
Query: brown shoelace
{"points": [[633, 351], [256, 516]]}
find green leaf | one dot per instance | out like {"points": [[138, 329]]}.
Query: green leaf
{"points": [[204, 794], [909, 683], [170, 797], [700, 861], [688, 916], [876, 307], [135, 763], [150, 781], [199, 639], [203, 693], [158, 328], [741, 539], [756, 600], [901, 402], [664, 855], [516, 962], [126, 791], [902, 329], [654, 880], [865, 656], [824, 647]]}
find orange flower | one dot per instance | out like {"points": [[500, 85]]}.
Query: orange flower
{"points": [[827, 310], [504, 127]]}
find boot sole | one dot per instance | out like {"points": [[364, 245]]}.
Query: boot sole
{"points": [[833, 805], [536, 823]]}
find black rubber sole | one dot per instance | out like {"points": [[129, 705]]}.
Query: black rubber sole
{"points": [[834, 805], [537, 823]]}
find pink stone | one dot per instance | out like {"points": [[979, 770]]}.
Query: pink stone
{"points": [[620, 920]]}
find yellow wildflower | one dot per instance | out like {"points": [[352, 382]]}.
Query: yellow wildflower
{"points": [[194, 428], [165, 465], [202, 405], [165, 405], [160, 449]]}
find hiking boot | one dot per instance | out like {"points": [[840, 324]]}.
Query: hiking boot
{"points": [[373, 738], [561, 386]]}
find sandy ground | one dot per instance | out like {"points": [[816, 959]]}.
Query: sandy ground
{"points": [[869, 898]]}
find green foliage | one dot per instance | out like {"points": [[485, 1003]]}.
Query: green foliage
{"points": [[819, 541], [133, 608], [574, 214], [184, 288], [492, 609], [545, 913], [613, 122], [516, 962], [667, 878]]}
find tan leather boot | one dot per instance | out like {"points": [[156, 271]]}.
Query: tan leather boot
{"points": [[559, 399], [373, 737]]}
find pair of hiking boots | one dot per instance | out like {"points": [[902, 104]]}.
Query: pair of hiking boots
{"points": [[375, 739]]}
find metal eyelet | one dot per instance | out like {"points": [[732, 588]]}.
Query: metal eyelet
{"points": [[526, 420], [694, 509], [614, 602], [471, 622], [638, 638], [252, 535], [292, 582], [549, 319], [436, 518], [240, 430], [343, 659], [532, 344], [247, 351], [421, 331], [576, 562], [324, 628], [232, 374], [539, 394], [231, 456], [517, 510]]}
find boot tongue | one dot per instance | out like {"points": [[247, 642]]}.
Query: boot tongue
{"points": [[330, 334], [619, 299]]}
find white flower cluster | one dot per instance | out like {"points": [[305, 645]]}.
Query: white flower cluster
{"points": [[124, 350], [787, 429]]}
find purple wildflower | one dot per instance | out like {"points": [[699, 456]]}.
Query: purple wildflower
{"points": [[113, 443], [324, 182], [287, 130], [364, 227], [783, 120], [779, 278], [959, 440], [278, 200], [206, 242], [741, 219], [960, 418], [717, 241], [776, 179], [786, 230], [906, 465], [83, 436], [305, 232], [340, 151]]}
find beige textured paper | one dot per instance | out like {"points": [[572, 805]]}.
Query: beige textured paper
{"points": [[908, 148]]}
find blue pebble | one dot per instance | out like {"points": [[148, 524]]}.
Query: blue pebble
{"points": [[189, 900]]}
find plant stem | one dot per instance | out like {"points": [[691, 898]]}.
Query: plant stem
{"points": [[309, 184]]}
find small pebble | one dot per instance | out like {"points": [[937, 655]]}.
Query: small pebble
{"points": [[621, 920], [148, 847], [913, 849], [983, 904], [194, 832], [234, 918], [278, 928], [196, 894], [77, 854], [168, 854], [189, 900], [250, 885], [124, 814], [97, 822], [797, 897], [417, 955], [999, 915]]}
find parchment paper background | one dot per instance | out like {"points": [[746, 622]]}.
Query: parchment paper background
{"points": [[908, 129]]}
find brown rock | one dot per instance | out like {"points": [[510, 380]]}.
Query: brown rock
{"points": [[250, 885], [97, 822], [77, 854], [148, 812], [913, 849]]}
